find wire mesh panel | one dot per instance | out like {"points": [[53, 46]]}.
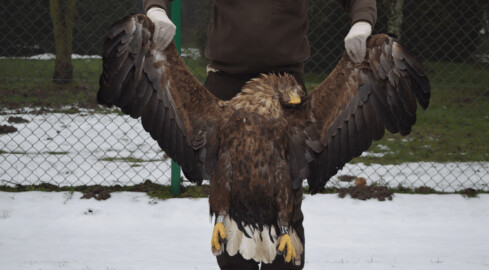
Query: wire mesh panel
{"points": [[85, 148], [69, 140], [67, 146]]}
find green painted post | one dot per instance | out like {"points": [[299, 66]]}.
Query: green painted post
{"points": [[176, 17]]}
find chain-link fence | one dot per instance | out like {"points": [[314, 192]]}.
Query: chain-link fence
{"points": [[85, 145]]}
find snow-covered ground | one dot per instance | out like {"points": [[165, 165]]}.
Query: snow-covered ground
{"points": [[108, 149], [132, 231]]}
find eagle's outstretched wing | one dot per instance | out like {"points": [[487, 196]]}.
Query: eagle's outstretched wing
{"points": [[155, 84], [352, 107]]}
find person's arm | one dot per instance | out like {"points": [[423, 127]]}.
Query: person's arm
{"points": [[147, 4], [360, 10], [164, 28], [363, 15]]}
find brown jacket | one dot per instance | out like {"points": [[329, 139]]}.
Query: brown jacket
{"points": [[265, 35]]}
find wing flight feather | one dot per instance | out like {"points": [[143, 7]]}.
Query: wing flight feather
{"points": [[154, 84], [357, 102]]}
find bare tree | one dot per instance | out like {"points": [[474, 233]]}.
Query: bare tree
{"points": [[394, 9], [63, 15]]}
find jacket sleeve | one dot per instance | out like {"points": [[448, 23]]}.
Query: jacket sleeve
{"points": [[360, 10], [160, 3]]}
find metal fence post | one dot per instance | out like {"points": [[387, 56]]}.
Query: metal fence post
{"points": [[176, 17]]}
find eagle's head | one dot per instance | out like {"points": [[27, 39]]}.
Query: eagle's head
{"points": [[283, 87]]}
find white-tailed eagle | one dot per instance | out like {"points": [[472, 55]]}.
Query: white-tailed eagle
{"points": [[258, 147]]}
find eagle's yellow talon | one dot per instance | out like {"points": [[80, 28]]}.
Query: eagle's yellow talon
{"points": [[218, 234], [285, 241]]}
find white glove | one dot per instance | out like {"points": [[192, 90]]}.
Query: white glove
{"points": [[356, 41], [164, 28]]}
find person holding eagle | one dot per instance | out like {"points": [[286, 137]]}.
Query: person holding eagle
{"points": [[247, 38], [251, 129]]}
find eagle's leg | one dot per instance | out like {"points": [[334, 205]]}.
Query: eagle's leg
{"points": [[285, 245], [285, 201], [218, 235], [219, 200]]}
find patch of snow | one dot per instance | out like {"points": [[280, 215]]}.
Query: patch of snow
{"points": [[78, 56], [193, 53], [133, 231], [383, 147], [50, 56], [483, 58], [406, 139], [372, 154]]}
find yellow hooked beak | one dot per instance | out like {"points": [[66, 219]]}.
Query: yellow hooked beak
{"points": [[294, 99]]}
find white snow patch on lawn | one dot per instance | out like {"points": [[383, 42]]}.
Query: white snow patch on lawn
{"points": [[50, 56], [372, 154], [186, 52]]}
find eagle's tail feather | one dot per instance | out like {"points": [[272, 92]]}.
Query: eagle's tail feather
{"points": [[261, 247]]}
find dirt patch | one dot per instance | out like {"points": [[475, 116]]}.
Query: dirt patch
{"points": [[99, 193], [4, 129], [366, 192], [17, 120], [469, 193], [346, 178], [47, 187], [424, 190]]}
